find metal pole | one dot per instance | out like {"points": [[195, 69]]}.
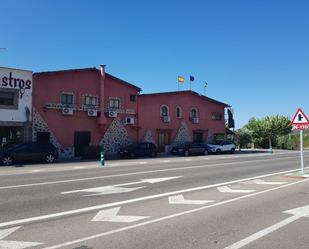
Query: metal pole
{"points": [[301, 151]]}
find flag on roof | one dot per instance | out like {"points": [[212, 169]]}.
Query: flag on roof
{"points": [[181, 79]]}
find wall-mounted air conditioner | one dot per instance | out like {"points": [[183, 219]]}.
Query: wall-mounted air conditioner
{"points": [[129, 120], [67, 111], [92, 113], [112, 114], [166, 119]]}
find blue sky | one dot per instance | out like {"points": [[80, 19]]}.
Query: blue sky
{"points": [[253, 54]]}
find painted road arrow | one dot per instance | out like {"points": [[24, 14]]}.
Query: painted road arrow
{"points": [[6, 244], [111, 215], [179, 199], [297, 214], [262, 182], [117, 189], [226, 189]]}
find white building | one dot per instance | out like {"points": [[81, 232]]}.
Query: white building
{"points": [[15, 105]]}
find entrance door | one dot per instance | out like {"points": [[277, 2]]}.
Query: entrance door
{"points": [[163, 140], [198, 137], [81, 141]]}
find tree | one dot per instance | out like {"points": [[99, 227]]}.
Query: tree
{"points": [[242, 137], [268, 129]]}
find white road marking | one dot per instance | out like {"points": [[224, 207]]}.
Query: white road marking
{"points": [[188, 160], [6, 244], [36, 170], [113, 164], [143, 172], [179, 199], [111, 215], [99, 235], [297, 214], [119, 203], [223, 157], [165, 161], [143, 162], [117, 188], [79, 167], [262, 182], [226, 189]]}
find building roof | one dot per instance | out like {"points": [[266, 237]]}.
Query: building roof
{"points": [[186, 92], [88, 69]]}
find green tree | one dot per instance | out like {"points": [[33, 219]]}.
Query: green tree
{"points": [[242, 137], [267, 130]]}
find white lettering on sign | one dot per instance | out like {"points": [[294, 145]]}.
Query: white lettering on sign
{"points": [[300, 120]]}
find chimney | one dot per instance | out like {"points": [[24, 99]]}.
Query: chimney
{"points": [[102, 120]]}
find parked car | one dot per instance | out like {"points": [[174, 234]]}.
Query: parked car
{"points": [[138, 150], [191, 149], [28, 152], [222, 146]]}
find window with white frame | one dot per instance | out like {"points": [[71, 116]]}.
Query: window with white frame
{"points": [[178, 112], [164, 111], [193, 113], [90, 100], [67, 99], [114, 103]]}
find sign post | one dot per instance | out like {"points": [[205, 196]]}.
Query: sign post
{"points": [[300, 122]]}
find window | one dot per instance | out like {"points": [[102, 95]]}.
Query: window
{"points": [[91, 100], [132, 97], [163, 111], [193, 113], [178, 112], [67, 99], [114, 103], [216, 116], [8, 99]]}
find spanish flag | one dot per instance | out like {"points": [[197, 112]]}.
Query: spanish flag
{"points": [[181, 79]]}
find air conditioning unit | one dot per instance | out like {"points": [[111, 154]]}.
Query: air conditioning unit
{"points": [[67, 111], [92, 113], [195, 120], [129, 120], [166, 119], [112, 114]]}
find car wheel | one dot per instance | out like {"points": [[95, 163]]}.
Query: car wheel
{"points": [[206, 152], [232, 150], [132, 155], [49, 158], [7, 160], [218, 151], [187, 153]]}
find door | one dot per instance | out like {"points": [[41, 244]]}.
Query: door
{"points": [[163, 140], [198, 137], [81, 141]]}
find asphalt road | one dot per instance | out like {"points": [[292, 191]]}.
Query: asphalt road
{"points": [[220, 201]]}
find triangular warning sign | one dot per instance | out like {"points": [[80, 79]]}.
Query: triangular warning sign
{"points": [[300, 118]]}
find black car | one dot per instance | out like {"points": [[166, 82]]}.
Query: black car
{"points": [[191, 149], [28, 152], [138, 150]]}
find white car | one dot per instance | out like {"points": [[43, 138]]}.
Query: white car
{"points": [[224, 146]]}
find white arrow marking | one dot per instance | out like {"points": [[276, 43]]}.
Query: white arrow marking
{"points": [[6, 244], [226, 189], [179, 199], [111, 216], [116, 189], [262, 182], [297, 214], [106, 190]]}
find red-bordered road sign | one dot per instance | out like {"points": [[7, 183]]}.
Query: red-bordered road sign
{"points": [[300, 120]]}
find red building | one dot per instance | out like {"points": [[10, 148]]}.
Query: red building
{"points": [[178, 117], [77, 108]]}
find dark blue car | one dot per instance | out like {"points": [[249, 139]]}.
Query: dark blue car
{"points": [[191, 149]]}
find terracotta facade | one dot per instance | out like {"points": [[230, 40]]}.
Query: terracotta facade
{"points": [[81, 107]]}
